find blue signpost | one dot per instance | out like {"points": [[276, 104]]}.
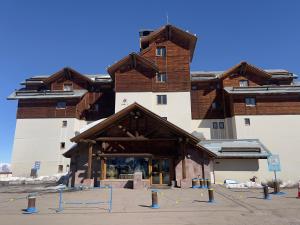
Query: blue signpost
{"points": [[274, 164], [37, 165]]}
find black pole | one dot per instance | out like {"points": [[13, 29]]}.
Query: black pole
{"points": [[266, 192]]}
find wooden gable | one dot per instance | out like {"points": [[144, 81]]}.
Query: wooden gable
{"points": [[130, 62], [169, 32], [138, 113], [137, 129], [245, 71], [67, 76]]}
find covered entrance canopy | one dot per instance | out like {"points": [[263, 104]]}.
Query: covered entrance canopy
{"points": [[136, 139]]}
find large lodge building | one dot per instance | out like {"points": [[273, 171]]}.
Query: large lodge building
{"points": [[151, 114]]}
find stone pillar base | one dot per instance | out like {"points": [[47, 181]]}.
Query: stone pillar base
{"points": [[137, 180], [185, 183], [88, 182]]}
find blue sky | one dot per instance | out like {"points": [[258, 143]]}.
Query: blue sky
{"points": [[40, 37]]}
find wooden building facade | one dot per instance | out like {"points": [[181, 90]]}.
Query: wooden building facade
{"points": [[137, 140]]}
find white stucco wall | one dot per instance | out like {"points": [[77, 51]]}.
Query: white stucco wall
{"points": [[280, 134], [39, 140], [177, 110], [205, 127], [240, 170]]}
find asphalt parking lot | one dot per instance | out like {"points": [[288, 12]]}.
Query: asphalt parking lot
{"points": [[177, 206]]}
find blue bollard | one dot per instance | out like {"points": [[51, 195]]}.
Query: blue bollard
{"points": [[31, 204], [201, 183], [195, 183], [154, 195]]}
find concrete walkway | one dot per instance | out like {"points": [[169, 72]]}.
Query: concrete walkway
{"points": [[189, 206]]}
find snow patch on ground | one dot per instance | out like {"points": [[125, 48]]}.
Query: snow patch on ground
{"points": [[287, 184], [28, 180], [243, 185]]}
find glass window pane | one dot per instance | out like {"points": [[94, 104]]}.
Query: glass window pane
{"points": [[250, 101], [244, 83], [125, 167], [221, 125], [61, 105], [161, 51], [68, 87], [215, 125]]}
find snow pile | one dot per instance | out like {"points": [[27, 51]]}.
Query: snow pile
{"points": [[28, 180], [289, 184], [249, 184]]}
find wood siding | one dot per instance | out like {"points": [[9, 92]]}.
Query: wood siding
{"points": [[202, 97], [266, 105], [254, 80], [76, 83], [45, 109], [175, 64], [75, 108]]}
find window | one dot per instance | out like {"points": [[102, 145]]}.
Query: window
{"points": [[247, 121], [124, 167], [62, 145], [68, 87], [64, 123], [250, 101], [218, 130], [61, 105], [161, 51], [161, 77], [244, 83], [161, 99], [215, 105], [60, 168], [221, 125], [95, 107], [215, 125]]}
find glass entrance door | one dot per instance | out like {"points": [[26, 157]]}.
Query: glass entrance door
{"points": [[161, 171]]}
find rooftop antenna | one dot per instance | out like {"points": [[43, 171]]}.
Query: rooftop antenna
{"points": [[167, 17]]}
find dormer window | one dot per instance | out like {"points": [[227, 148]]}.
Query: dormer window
{"points": [[244, 83], [161, 77], [161, 51], [68, 87]]}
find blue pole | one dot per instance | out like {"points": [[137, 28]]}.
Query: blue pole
{"points": [[60, 208], [110, 201]]}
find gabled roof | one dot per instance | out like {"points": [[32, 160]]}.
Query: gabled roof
{"points": [[132, 60], [101, 126], [67, 72], [173, 34], [244, 67]]}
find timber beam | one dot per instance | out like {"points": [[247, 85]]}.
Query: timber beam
{"points": [[134, 139]]}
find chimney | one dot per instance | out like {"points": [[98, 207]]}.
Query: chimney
{"points": [[144, 33]]}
